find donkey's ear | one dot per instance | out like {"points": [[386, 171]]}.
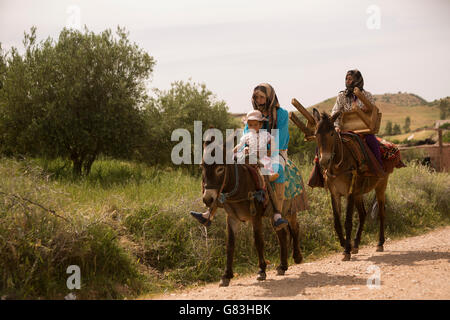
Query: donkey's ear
{"points": [[335, 116], [316, 114]]}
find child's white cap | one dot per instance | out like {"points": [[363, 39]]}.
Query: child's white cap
{"points": [[255, 115]]}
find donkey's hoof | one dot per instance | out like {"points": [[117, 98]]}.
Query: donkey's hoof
{"points": [[281, 270], [355, 250], [380, 248], [298, 258], [225, 282], [261, 276], [347, 257]]}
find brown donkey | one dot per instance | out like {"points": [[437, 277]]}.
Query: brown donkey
{"points": [[231, 186], [343, 180]]}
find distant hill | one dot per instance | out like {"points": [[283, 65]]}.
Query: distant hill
{"points": [[401, 99], [396, 107]]}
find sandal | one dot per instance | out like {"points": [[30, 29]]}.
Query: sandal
{"points": [[280, 224], [200, 218]]}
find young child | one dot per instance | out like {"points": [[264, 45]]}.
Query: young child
{"points": [[256, 143]]}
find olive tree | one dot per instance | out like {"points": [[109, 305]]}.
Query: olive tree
{"points": [[76, 97]]}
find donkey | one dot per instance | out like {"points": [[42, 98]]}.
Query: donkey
{"points": [[230, 186], [343, 180]]}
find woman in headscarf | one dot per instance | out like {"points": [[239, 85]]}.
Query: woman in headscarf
{"points": [[347, 99], [265, 100]]}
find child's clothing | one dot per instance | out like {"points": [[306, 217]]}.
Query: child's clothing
{"points": [[257, 143]]}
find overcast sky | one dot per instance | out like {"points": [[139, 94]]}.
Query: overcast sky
{"points": [[303, 48]]}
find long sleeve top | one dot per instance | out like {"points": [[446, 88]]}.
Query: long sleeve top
{"points": [[282, 136]]}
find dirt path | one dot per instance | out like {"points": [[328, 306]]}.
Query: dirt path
{"points": [[411, 268]]}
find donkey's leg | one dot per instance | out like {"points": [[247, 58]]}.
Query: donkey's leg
{"points": [[294, 230], [259, 244], [381, 198], [282, 240], [336, 204], [348, 227], [359, 202], [232, 224]]}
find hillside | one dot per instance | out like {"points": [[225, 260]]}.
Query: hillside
{"points": [[396, 107]]}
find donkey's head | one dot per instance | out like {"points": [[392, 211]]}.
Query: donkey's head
{"points": [[325, 136], [213, 169]]}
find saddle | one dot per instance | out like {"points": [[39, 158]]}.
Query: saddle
{"points": [[368, 165], [390, 155], [262, 193]]}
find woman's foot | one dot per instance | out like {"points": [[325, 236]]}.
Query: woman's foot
{"points": [[279, 223], [200, 218]]}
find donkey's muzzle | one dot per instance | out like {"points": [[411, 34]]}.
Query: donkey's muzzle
{"points": [[325, 159], [209, 197]]}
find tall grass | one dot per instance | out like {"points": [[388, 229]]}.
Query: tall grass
{"points": [[127, 226]]}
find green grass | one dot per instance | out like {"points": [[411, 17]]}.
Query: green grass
{"points": [[421, 135], [128, 227]]}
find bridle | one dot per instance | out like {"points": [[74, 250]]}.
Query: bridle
{"points": [[222, 197], [337, 141], [351, 170]]}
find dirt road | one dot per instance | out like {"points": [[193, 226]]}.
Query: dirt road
{"points": [[411, 268]]}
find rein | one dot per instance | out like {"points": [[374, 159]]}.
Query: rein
{"points": [[333, 153], [251, 196], [337, 141], [336, 166], [223, 196]]}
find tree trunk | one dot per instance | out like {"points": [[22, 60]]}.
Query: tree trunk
{"points": [[77, 165], [88, 164]]}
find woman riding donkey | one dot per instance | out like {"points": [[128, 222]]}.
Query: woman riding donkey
{"points": [[265, 101], [347, 100]]}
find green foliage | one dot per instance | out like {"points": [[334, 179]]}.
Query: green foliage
{"points": [[388, 128], [135, 236], [444, 109], [178, 108], [298, 147], [407, 126], [77, 97], [446, 137], [396, 129], [39, 241]]}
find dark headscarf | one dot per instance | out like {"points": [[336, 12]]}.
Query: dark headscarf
{"points": [[271, 105], [358, 81]]}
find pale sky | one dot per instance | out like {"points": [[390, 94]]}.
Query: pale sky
{"points": [[303, 48]]}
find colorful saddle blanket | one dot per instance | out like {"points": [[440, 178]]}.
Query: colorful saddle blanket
{"points": [[389, 151]]}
